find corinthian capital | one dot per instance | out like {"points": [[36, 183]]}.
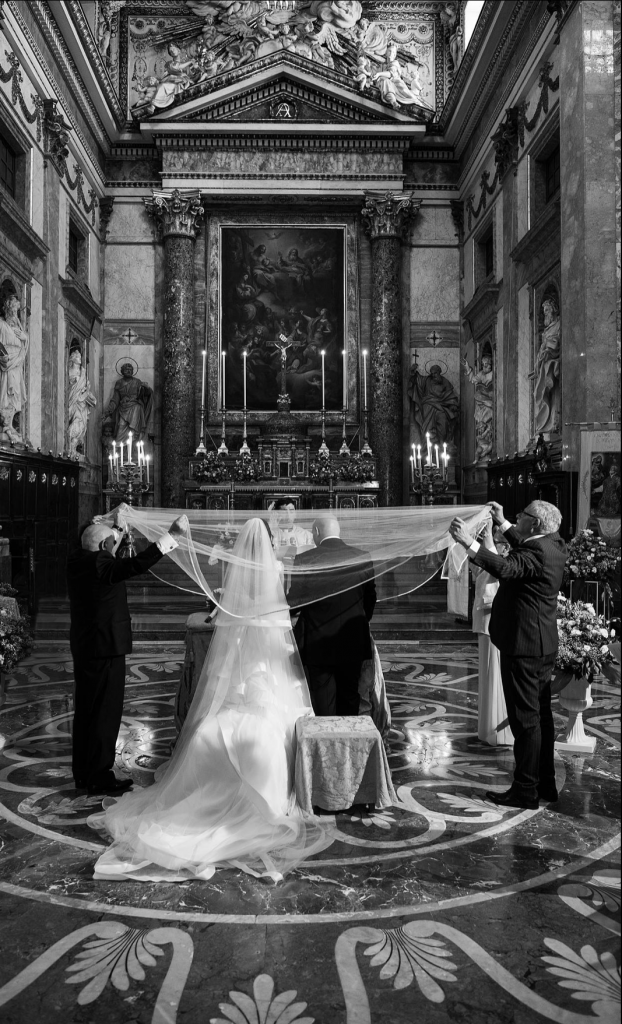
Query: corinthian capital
{"points": [[388, 214], [175, 212]]}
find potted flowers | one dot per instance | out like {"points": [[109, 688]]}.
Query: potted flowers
{"points": [[246, 468], [591, 560], [212, 470], [584, 640], [322, 469], [357, 469]]}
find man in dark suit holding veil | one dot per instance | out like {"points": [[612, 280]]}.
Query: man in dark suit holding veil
{"points": [[100, 636], [333, 633], [523, 626]]}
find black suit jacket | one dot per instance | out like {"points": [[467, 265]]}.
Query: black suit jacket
{"points": [[523, 620], [100, 619], [335, 630]]}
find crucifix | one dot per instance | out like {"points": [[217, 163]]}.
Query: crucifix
{"points": [[129, 337], [283, 344]]}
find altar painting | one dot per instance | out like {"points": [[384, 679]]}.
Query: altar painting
{"points": [[600, 500], [283, 282]]}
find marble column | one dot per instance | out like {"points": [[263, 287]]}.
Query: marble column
{"points": [[589, 285], [386, 218], [178, 215]]}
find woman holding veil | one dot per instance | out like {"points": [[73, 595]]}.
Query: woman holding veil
{"points": [[226, 798]]}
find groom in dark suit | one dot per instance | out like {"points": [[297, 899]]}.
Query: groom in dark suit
{"points": [[100, 636], [333, 634], [523, 626]]}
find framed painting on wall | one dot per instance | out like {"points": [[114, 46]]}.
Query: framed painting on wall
{"points": [[283, 281], [599, 482]]}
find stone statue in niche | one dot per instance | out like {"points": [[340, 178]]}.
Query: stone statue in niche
{"points": [[14, 344], [129, 408], [80, 402], [484, 385], [546, 373], [435, 404]]}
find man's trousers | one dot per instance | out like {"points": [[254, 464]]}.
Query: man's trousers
{"points": [[97, 709], [527, 691]]}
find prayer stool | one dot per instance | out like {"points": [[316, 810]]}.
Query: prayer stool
{"points": [[341, 761]]}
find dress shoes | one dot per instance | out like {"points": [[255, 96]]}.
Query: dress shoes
{"points": [[548, 794], [111, 788], [512, 799]]}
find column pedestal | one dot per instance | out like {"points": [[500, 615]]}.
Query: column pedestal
{"points": [[386, 217], [178, 215]]}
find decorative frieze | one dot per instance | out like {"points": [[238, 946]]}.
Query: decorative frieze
{"points": [[175, 212]]}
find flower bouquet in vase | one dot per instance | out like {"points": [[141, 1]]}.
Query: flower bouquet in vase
{"points": [[584, 648]]}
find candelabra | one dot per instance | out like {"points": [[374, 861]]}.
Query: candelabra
{"points": [[344, 450], [223, 450], [130, 482], [430, 483]]}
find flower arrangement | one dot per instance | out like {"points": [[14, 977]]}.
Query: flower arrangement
{"points": [[590, 558], [584, 639], [246, 468], [15, 639], [322, 469], [213, 469], [357, 469], [6, 590]]}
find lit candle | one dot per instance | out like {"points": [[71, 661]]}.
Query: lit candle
{"points": [[445, 461], [121, 450], [412, 468], [364, 380], [129, 447], [419, 457], [147, 463], [323, 355], [203, 381], [110, 472], [345, 390], [114, 450], [428, 460], [438, 465], [244, 354], [222, 401]]}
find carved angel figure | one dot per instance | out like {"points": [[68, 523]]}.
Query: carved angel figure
{"points": [[397, 86]]}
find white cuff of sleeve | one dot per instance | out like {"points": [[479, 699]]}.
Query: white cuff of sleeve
{"points": [[474, 547], [166, 543], [505, 525]]}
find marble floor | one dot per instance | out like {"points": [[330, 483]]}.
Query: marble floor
{"points": [[444, 908]]}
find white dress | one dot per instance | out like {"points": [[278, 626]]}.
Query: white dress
{"points": [[227, 797], [491, 709]]}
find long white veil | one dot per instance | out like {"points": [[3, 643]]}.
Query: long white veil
{"points": [[227, 794]]}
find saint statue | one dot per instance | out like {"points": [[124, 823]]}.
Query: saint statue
{"points": [[80, 400], [13, 351], [130, 406], [435, 405], [483, 383], [547, 391]]}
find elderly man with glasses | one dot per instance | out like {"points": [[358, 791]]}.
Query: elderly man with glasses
{"points": [[523, 626], [100, 636]]}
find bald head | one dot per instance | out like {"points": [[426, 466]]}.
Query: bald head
{"points": [[95, 537], [326, 526]]}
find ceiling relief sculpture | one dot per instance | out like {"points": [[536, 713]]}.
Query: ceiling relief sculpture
{"points": [[399, 56]]}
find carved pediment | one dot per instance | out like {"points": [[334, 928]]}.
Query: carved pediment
{"points": [[396, 65]]}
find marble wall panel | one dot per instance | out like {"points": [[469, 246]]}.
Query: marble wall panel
{"points": [[434, 224], [522, 195], [503, 244], [94, 267], [435, 284], [468, 280], [37, 206], [63, 229], [35, 326], [524, 385], [130, 282], [500, 361], [129, 221]]}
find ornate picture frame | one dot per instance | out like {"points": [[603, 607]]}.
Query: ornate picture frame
{"points": [[599, 481]]}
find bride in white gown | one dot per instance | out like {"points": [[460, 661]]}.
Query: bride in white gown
{"points": [[226, 798]]}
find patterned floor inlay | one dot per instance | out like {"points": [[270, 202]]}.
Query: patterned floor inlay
{"points": [[444, 907]]}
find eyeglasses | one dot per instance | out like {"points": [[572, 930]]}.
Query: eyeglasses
{"points": [[519, 515]]}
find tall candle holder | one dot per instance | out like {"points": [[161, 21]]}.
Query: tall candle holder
{"points": [[223, 450], [202, 450], [344, 450], [365, 450], [244, 450], [429, 480], [131, 481]]}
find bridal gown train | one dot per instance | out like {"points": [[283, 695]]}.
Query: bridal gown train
{"points": [[227, 798]]}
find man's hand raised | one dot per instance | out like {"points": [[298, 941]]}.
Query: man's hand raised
{"points": [[460, 533], [179, 527], [496, 511]]}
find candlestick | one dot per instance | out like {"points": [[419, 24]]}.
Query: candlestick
{"points": [[203, 380], [323, 355], [114, 449], [419, 457], [110, 471], [364, 380], [121, 450], [428, 460], [129, 447], [222, 381], [244, 355], [412, 468], [345, 388], [147, 462], [438, 465]]}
